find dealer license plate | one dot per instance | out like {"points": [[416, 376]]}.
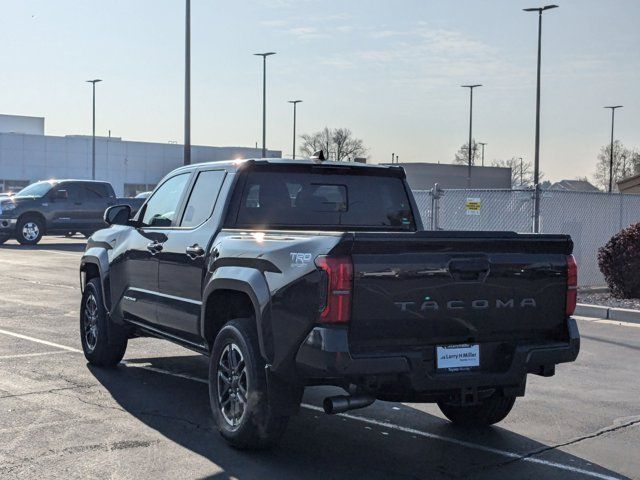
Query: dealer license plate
{"points": [[457, 357]]}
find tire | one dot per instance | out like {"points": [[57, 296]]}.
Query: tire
{"points": [[236, 363], [29, 230], [103, 342], [491, 410]]}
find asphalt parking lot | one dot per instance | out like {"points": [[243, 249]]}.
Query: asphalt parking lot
{"points": [[150, 418]]}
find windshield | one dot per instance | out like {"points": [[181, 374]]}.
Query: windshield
{"points": [[35, 190], [324, 199]]}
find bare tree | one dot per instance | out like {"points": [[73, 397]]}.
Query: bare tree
{"points": [[521, 173], [462, 155], [338, 144], [626, 163]]}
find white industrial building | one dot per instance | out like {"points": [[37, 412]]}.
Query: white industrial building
{"points": [[27, 155]]}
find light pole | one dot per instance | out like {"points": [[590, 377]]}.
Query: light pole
{"points": [[187, 83], [536, 167], [470, 87], [613, 114], [295, 104], [264, 100], [483, 144], [93, 135]]}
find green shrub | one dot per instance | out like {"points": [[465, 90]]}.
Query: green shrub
{"points": [[619, 262]]}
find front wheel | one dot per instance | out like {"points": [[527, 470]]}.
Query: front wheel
{"points": [[238, 389], [489, 411], [29, 230], [103, 342]]}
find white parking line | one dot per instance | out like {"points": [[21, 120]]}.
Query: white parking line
{"points": [[38, 354], [37, 340]]}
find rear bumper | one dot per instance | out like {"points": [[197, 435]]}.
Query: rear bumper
{"points": [[325, 356]]}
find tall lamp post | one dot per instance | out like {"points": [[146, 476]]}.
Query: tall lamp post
{"points": [[187, 83], [264, 100], [536, 167], [483, 144], [470, 87], [613, 114], [295, 104], [93, 135]]}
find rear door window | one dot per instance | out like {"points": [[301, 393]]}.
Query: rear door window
{"points": [[330, 199], [203, 198]]}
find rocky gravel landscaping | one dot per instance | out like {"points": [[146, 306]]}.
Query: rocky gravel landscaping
{"points": [[607, 300]]}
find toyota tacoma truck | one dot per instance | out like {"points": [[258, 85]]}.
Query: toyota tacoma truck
{"points": [[57, 207], [289, 274]]}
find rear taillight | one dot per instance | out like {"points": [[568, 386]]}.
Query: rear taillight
{"points": [[336, 289], [572, 284]]}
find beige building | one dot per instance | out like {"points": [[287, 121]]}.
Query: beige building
{"points": [[629, 185]]}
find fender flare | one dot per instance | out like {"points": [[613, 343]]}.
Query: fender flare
{"points": [[251, 282], [97, 256]]}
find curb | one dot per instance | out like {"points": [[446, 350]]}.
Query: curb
{"points": [[608, 313]]}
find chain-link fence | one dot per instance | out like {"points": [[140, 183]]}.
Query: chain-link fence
{"points": [[591, 218]]}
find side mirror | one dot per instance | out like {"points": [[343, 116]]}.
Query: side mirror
{"points": [[61, 195], [117, 215]]}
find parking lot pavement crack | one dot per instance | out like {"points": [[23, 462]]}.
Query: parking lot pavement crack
{"points": [[534, 453], [120, 409], [44, 392], [19, 463], [169, 417]]}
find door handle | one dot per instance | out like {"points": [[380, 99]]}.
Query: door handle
{"points": [[154, 247], [195, 251]]}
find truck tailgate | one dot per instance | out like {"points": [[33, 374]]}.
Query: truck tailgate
{"points": [[416, 290]]}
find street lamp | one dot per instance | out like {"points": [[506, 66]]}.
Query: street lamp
{"points": [[536, 168], [295, 103], [483, 144], [264, 100], [470, 87], [93, 135], [613, 113], [187, 83]]}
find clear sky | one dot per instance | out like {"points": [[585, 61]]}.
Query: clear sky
{"points": [[388, 70]]}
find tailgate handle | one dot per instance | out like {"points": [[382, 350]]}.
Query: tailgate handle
{"points": [[469, 268]]}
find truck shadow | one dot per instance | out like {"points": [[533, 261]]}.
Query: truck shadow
{"points": [[322, 446]]}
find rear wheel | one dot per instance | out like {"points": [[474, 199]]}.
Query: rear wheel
{"points": [[29, 230], [491, 410], [103, 342], [238, 389]]}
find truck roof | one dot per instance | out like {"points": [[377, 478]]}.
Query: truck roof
{"points": [[240, 164]]}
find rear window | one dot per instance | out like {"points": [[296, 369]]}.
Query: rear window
{"points": [[328, 200]]}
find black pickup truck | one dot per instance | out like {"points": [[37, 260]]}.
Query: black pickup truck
{"points": [[289, 274], [57, 207]]}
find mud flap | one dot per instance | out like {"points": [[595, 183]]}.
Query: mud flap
{"points": [[284, 397]]}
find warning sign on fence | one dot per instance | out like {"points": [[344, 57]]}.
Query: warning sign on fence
{"points": [[472, 206]]}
